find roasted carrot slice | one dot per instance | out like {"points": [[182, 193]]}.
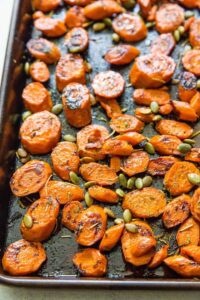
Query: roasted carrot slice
{"points": [[146, 96], [142, 113], [101, 9], [46, 5], [100, 174], [160, 165], [102, 194], [172, 127], [176, 179], [23, 258], [136, 163], [43, 214], [192, 251], [36, 97], [188, 233], [152, 70], [146, 203], [195, 207], [183, 266], [30, 178], [163, 44], [145, 7], [121, 55], [50, 27], [117, 147], [177, 211], [165, 109], [108, 84], [111, 107], [166, 144], [195, 103], [130, 27], [133, 138], [91, 225], [169, 17], [63, 192], [77, 40], [191, 61], [90, 262], [40, 132], [193, 155], [78, 2], [111, 237], [90, 140], [44, 50], [65, 159], [70, 213], [188, 22], [75, 17], [159, 257], [187, 86], [39, 71], [194, 35], [76, 104], [123, 123], [184, 111], [190, 3], [37, 14]]}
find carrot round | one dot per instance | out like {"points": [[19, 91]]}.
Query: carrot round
{"points": [[50, 27], [142, 113], [166, 144], [194, 35], [195, 103], [101, 9], [78, 2], [195, 209], [136, 163], [172, 127], [159, 256], [77, 39], [183, 266], [192, 251], [30, 178], [184, 111], [111, 107], [75, 17], [102, 194], [70, 213], [123, 123], [37, 14], [117, 147], [133, 138], [46, 5], [39, 71], [163, 44], [193, 155], [121, 55], [160, 165], [187, 86], [115, 163], [145, 7], [146, 96], [23, 258], [190, 3], [111, 237], [188, 233], [191, 61]]}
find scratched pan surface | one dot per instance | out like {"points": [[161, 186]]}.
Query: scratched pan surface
{"points": [[60, 249]]}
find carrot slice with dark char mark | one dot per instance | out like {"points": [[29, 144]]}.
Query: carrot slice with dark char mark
{"points": [[75, 17], [166, 144], [146, 96], [23, 258], [192, 251], [172, 127], [184, 111], [102, 194], [70, 213], [195, 205], [117, 147], [187, 86], [183, 266], [194, 35], [121, 55], [39, 71], [50, 27], [123, 123], [30, 178], [163, 44], [101, 9], [77, 40], [136, 163], [90, 262], [133, 138], [188, 233], [160, 165], [159, 257], [111, 237], [193, 155], [191, 61], [46, 5], [111, 107]]}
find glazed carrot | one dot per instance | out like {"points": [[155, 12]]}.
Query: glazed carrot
{"points": [[176, 211], [43, 214], [102, 194], [70, 213], [165, 109], [194, 35], [101, 9], [159, 257], [145, 7], [152, 70], [44, 50], [191, 61], [190, 3], [40, 132], [188, 233], [37, 14], [46, 5], [115, 163], [90, 140], [36, 97], [133, 138], [136, 163], [169, 17], [193, 155], [63, 192], [166, 144], [108, 84], [91, 225], [195, 103], [121, 55], [152, 13], [77, 40], [192, 251], [163, 44], [78, 2], [111, 107], [187, 86], [171, 127], [160, 165], [183, 266], [176, 179], [23, 258], [76, 104], [65, 159], [90, 262], [116, 147], [146, 203], [111, 237], [130, 27], [184, 111], [75, 17], [30, 178], [100, 174], [50, 27], [146, 96], [123, 123], [142, 113], [188, 23], [195, 209], [39, 71]]}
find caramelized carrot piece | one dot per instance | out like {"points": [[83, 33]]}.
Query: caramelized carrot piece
{"points": [[166, 144], [146, 203], [39, 71], [40, 132], [121, 55], [146, 96], [111, 107], [190, 3], [78, 2], [77, 40], [194, 35], [70, 213], [188, 233], [145, 7], [115, 163], [100, 174], [102, 194], [36, 97], [163, 44], [63, 192], [187, 86], [111, 237], [75, 17], [176, 179], [43, 213], [193, 155], [142, 113], [152, 13], [101, 9], [50, 27], [171, 127], [91, 225], [46, 5], [117, 147], [192, 251], [37, 14], [165, 109], [188, 23], [195, 208], [184, 111], [65, 159], [133, 138], [123, 123], [136, 163], [160, 165], [30, 178], [195, 103], [23, 258], [191, 61], [183, 266], [159, 257], [90, 262]]}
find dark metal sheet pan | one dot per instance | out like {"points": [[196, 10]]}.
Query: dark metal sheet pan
{"points": [[59, 251]]}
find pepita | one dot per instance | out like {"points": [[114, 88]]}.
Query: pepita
{"points": [[99, 26], [184, 148], [131, 228], [69, 138], [147, 181], [109, 212], [149, 148], [154, 107], [122, 180], [127, 215], [88, 199], [74, 178], [194, 178], [57, 109], [139, 183], [28, 221]]}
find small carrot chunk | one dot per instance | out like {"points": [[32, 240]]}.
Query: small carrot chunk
{"points": [[160, 165], [111, 237], [70, 213], [136, 163], [146, 96], [133, 138], [39, 71], [75, 17], [102, 194], [50, 27], [184, 111], [117, 147], [188, 233], [123, 123], [115, 163], [121, 55], [183, 266], [171, 127], [111, 107], [194, 35], [101, 9], [159, 257]]}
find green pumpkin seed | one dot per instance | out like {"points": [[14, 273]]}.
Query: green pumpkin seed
{"points": [[99, 26], [198, 84], [150, 24], [28, 221], [115, 38], [181, 30], [120, 193], [127, 215], [157, 118], [147, 111], [122, 180], [186, 49], [189, 14], [87, 24], [26, 114], [189, 141], [195, 134], [27, 68], [175, 81], [93, 100], [154, 107], [147, 181], [88, 66], [194, 178], [74, 178], [118, 221], [128, 4], [89, 184], [22, 153], [184, 148], [74, 49], [108, 22], [86, 160], [25, 159], [131, 228], [177, 35], [149, 148], [131, 183], [57, 109], [139, 183], [69, 138], [109, 212], [88, 199]]}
